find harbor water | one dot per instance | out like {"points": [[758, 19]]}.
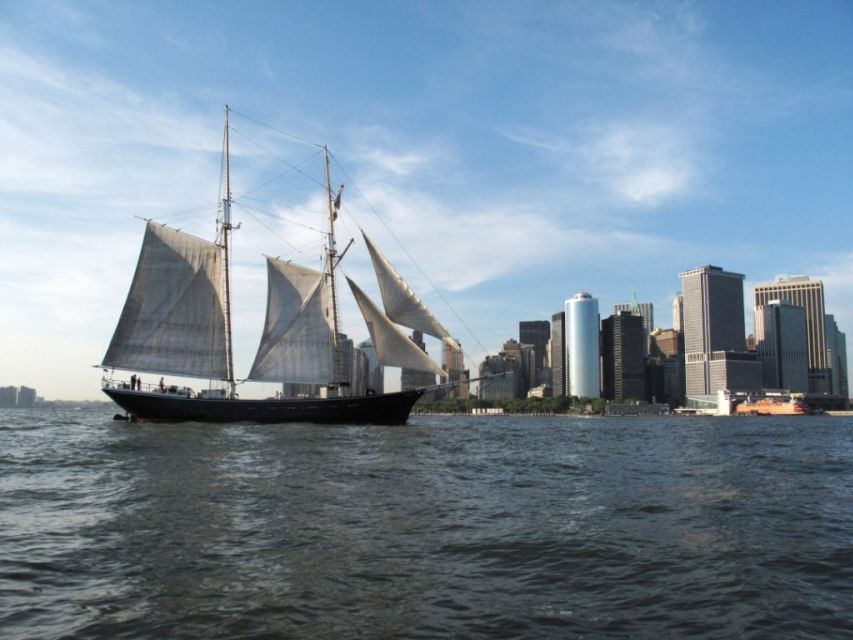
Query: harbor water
{"points": [[450, 527]]}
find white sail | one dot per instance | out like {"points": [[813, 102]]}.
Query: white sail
{"points": [[173, 320], [392, 346], [402, 305], [298, 340]]}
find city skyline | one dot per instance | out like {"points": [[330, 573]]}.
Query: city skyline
{"points": [[518, 156]]}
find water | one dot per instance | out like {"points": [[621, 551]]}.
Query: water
{"points": [[447, 528]]}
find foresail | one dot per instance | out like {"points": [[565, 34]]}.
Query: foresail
{"points": [[392, 346], [298, 341], [173, 320], [401, 304]]}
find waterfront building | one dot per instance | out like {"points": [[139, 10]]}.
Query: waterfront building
{"points": [[499, 387], [836, 357], [376, 378], [558, 353], [808, 294], [643, 309], [412, 379], [782, 345], [623, 341], [360, 376], [454, 366], [714, 327], [536, 333], [582, 346], [8, 397], [524, 354], [678, 312], [27, 398], [667, 351]]}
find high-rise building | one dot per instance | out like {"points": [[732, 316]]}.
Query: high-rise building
{"points": [[643, 309], [804, 292], [582, 346], [454, 365], [524, 354], [500, 378], [623, 337], [376, 378], [535, 332], [781, 345], [411, 378], [836, 357], [667, 351], [8, 397], [27, 398], [678, 312], [558, 353], [714, 333], [359, 381]]}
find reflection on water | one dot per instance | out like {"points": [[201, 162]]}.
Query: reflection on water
{"points": [[456, 527]]}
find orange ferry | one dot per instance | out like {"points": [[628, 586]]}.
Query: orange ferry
{"points": [[772, 407]]}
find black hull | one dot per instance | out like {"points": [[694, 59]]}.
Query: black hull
{"points": [[388, 408]]}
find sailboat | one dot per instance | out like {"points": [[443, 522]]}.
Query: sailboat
{"points": [[177, 321]]}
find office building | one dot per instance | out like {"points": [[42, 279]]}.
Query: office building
{"points": [[714, 326], [454, 366], [582, 346], [500, 378], [836, 357], [623, 338], [8, 397], [536, 333], [26, 398], [558, 353], [524, 354], [376, 377], [411, 378], [643, 309], [667, 350], [782, 345], [678, 312], [808, 294]]}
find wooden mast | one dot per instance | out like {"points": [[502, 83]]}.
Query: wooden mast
{"points": [[225, 227], [331, 254]]}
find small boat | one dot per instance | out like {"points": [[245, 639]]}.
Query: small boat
{"points": [[177, 321]]}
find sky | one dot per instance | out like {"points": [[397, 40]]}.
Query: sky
{"points": [[504, 155]]}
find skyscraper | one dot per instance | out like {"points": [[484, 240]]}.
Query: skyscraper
{"points": [[806, 293], [535, 332], [643, 309], [678, 312], [410, 378], [623, 338], [558, 353], [454, 365], [376, 378], [781, 345], [582, 346], [715, 356], [836, 357]]}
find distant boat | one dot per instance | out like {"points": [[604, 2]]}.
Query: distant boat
{"points": [[177, 321]]}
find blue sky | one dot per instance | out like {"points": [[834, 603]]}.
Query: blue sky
{"points": [[521, 151]]}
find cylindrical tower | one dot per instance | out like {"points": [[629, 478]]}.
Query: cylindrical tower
{"points": [[582, 341]]}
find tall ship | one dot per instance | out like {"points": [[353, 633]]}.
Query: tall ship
{"points": [[177, 321]]}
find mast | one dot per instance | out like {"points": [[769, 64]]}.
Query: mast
{"points": [[225, 229], [331, 254]]}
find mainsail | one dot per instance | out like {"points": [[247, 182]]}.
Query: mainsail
{"points": [[298, 342], [392, 347], [173, 320], [401, 304]]}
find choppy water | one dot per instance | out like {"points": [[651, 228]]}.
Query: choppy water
{"points": [[450, 527]]}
